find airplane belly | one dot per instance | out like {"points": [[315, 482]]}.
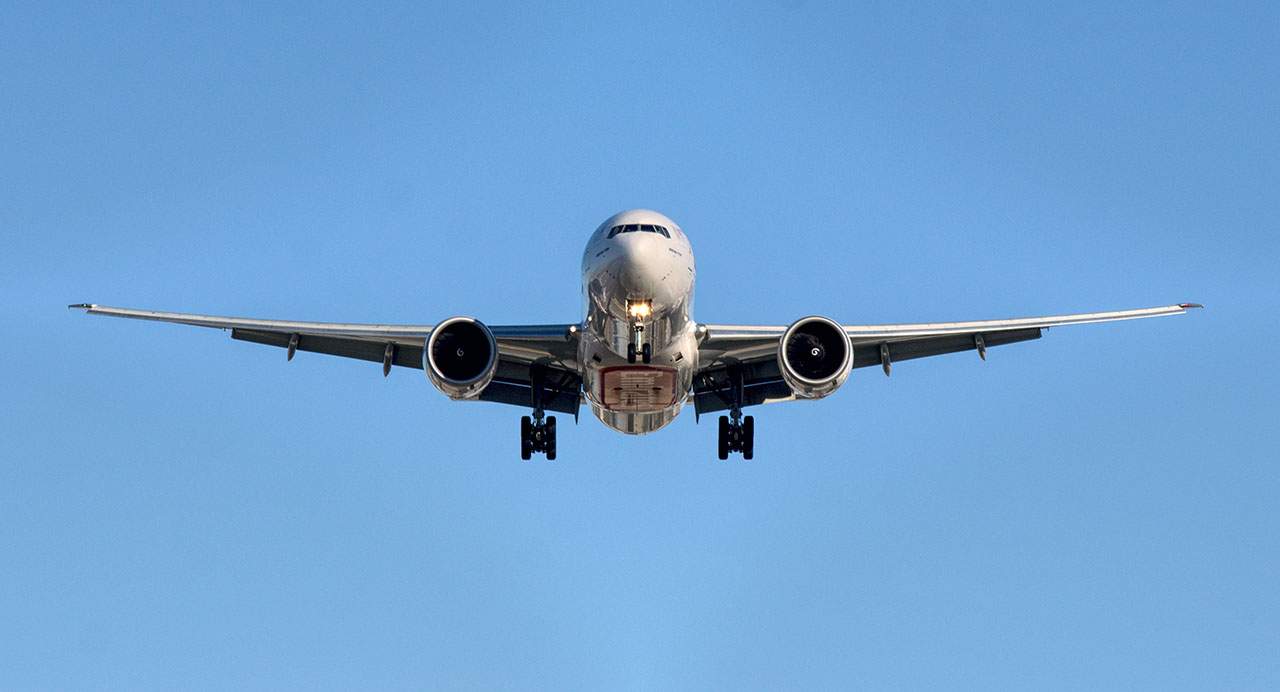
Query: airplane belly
{"points": [[637, 398], [636, 423], [637, 388]]}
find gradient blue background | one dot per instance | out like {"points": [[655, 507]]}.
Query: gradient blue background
{"points": [[1095, 509]]}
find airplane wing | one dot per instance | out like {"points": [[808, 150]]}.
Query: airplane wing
{"points": [[753, 349], [550, 349]]}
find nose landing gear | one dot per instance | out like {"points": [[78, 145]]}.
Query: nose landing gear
{"points": [[638, 346]]}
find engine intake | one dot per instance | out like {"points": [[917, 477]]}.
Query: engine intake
{"points": [[461, 357], [815, 357]]}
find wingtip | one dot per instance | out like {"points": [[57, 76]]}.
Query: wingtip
{"points": [[81, 306], [1188, 306]]}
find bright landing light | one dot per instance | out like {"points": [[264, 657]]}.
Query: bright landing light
{"points": [[639, 309]]}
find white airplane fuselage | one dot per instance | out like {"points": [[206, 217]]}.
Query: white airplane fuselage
{"points": [[637, 283]]}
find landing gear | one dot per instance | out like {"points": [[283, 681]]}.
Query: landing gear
{"points": [[537, 436], [538, 432], [645, 353], [737, 432], [737, 436], [638, 346]]}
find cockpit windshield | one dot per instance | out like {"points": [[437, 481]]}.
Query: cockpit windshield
{"points": [[639, 228]]}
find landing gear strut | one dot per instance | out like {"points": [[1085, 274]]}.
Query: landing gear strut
{"points": [[538, 432], [737, 432]]}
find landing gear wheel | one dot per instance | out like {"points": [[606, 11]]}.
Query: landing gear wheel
{"points": [[631, 353], [526, 438], [646, 353], [737, 434], [537, 436], [549, 441], [722, 446]]}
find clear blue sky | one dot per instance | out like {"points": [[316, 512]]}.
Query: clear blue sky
{"points": [[1093, 510]]}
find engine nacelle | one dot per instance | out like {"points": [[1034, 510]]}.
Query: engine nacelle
{"points": [[461, 357], [815, 357]]}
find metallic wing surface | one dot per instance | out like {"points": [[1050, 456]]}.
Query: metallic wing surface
{"points": [[753, 350], [523, 351]]}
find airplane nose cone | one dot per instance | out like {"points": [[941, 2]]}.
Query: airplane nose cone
{"points": [[638, 260], [644, 268]]}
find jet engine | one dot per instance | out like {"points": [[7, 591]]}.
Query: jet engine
{"points": [[461, 357], [815, 357]]}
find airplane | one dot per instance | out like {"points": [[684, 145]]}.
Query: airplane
{"points": [[637, 357]]}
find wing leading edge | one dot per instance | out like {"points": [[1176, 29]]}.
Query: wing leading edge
{"points": [[724, 340], [526, 353], [367, 331]]}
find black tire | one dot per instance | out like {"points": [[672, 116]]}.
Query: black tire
{"points": [[646, 352], [550, 436], [748, 437], [722, 447], [526, 438], [631, 353]]}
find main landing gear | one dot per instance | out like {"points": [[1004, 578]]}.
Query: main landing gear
{"points": [[737, 435], [538, 435], [538, 432], [737, 432]]}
